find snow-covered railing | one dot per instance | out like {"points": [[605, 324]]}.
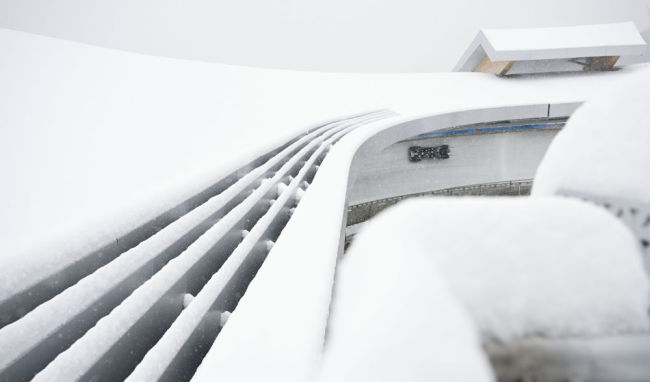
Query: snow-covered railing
{"points": [[175, 357], [46, 286], [131, 301]]}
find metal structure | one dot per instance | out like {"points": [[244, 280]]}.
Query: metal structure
{"points": [[124, 299]]}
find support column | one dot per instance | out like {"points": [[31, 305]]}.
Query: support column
{"points": [[500, 68]]}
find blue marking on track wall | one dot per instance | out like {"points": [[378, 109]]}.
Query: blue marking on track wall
{"points": [[483, 130]]}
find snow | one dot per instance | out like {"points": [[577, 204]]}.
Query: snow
{"points": [[579, 36], [292, 288], [46, 319], [223, 318], [323, 35], [299, 194], [153, 247], [187, 299], [120, 137], [85, 352], [545, 44], [287, 344], [394, 318], [520, 266], [161, 356], [603, 149], [43, 322], [94, 141], [281, 187]]}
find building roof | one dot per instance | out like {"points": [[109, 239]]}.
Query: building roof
{"points": [[560, 43]]}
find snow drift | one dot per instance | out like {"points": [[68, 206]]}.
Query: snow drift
{"points": [[521, 267], [395, 319], [603, 149]]}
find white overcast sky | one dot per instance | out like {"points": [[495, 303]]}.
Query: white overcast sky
{"points": [[321, 35]]}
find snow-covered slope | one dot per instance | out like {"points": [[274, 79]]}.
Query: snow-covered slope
{"points": [[93, 141], [97, 141]]}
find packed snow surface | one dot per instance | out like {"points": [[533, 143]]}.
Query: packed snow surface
{"points": [[521, 267], [604, 148]]}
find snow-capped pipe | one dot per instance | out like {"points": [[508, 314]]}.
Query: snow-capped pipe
{"points": [[26, 355], [170, 350], [159, 308]]}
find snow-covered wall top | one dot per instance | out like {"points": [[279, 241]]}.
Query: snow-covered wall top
{"points": [[620, 39], [618, 35]]}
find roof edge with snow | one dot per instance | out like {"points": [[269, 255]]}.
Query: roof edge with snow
{"points": [[542, 50]]}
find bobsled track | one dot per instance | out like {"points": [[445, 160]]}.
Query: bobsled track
{"points": [[151, 304]]}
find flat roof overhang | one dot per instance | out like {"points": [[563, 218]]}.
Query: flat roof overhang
{"points": [[543, 50]]}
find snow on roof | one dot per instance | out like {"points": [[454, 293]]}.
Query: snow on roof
{"points": [[596, 40], [620, 39]]}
